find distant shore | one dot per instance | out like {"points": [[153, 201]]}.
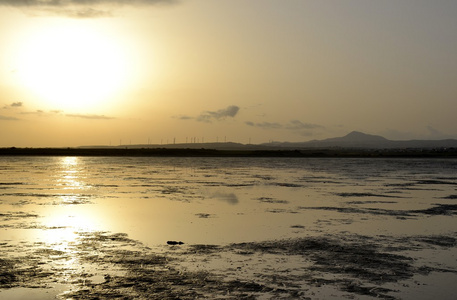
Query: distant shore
{"points": [[192, 152]]}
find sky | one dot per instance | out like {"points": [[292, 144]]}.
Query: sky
{"points": [[110, 72]]}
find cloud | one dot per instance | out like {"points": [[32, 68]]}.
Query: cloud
{"points": [[183, 117], [6, 118], [91, 117], [85, 13], [42, 113], [36, 112], [79, 8], [295, 125], [298, 125], [265, 125], [209, 116], [14, 104], [64, 3], [306, 133]]}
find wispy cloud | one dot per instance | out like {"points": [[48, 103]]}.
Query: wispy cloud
{"points": [[91, 117], [14, 104], [209, 116], [298, 125], [265, 125], [80, 8], [6, 118], [36, 112], [50, 113], [40, 112], [183, 117], [291, 125], [60, 3]]}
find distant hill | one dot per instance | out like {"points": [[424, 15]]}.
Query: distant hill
{"points": [[357, 139], [357, 136]]}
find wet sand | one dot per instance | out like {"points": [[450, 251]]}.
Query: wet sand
{"points": [[100, 265]]}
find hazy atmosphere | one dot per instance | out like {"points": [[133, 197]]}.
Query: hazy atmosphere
{"points": [[118, 71], [133, 163]]}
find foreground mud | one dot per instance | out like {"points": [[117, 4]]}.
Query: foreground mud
{"points": [[99, 265]]}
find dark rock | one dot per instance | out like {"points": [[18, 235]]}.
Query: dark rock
{"points": [[174, 243]]}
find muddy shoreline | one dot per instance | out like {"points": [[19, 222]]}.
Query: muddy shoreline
{"points": [[117, 267]]}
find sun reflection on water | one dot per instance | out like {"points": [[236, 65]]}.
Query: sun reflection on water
{"points": [[67, 220], [71, 174]]}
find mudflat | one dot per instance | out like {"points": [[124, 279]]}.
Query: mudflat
{"points": [[227, 228]]}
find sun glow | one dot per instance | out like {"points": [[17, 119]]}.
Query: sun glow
{"points": [[73, 67]]}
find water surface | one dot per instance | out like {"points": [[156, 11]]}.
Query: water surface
{"points": [[259, 214]]}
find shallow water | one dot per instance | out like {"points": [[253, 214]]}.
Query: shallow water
{"points": [[56, 211]]}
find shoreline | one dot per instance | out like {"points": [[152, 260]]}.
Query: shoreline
{"points": [[206, 152]]}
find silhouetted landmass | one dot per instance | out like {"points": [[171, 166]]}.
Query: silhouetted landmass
{"points": [[354, 144], [170, 152], [357, 139]]}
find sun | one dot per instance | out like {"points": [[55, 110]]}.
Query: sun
{"points": [[73, 67]]}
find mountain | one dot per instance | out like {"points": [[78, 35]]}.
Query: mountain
{"points": [[357, 136], [356, 139]]}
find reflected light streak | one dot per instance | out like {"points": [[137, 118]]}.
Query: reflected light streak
{"points": [[69, 161], [71, 176], [63, 235], [64, 223]]}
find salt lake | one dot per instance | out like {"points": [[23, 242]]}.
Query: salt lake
{"points": [[251, 228]]}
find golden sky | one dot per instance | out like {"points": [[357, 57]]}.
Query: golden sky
{"points": [[99, 72]]}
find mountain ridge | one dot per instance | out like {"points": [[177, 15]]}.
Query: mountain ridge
{"points": [[357, 139]]}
